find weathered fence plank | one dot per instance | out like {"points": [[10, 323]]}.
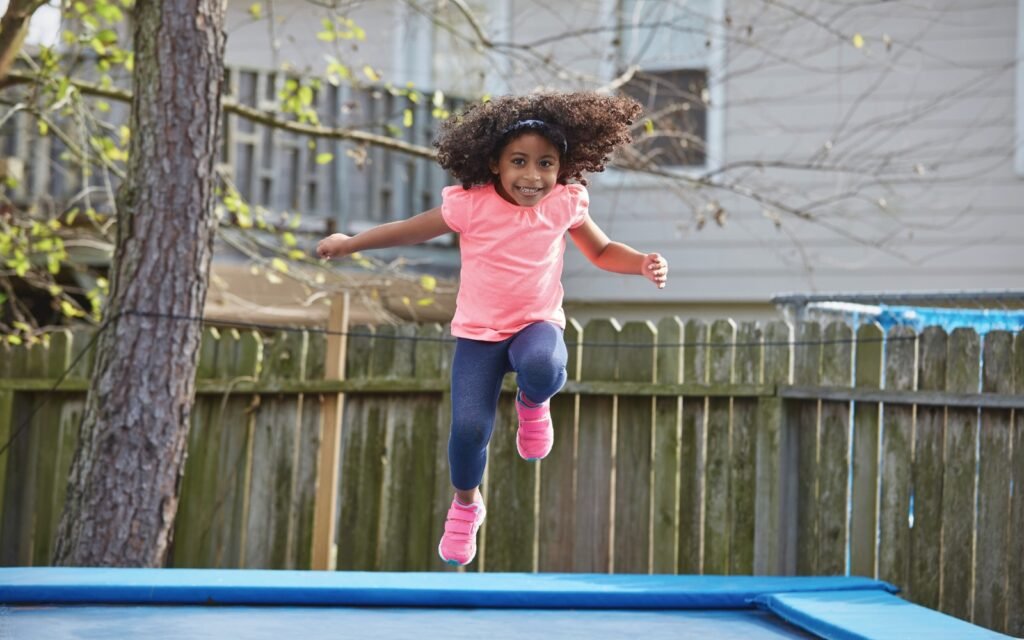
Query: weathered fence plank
{"points": [[929, 433], [1015, 599], [958, 495], [596, 438], [421, 538], [994, 476], [7, 430], [240, 357], [667, 424], [834, 453], [21, 491], [7, 427], [556, 526], [276, 433], [717, 521], [511, 516], [192, 526], [743, 452], [307, 474], [353, 436], [771, 515], [443, 490], [897, 462], [864, 498], [48, 438], [691, 451], [399, 496], [805, 416], [633, 464]]}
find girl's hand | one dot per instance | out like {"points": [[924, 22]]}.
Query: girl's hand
{"points": [[655, 269], [333, 246]]}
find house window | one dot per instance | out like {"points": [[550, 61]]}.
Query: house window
{"points": [[672, 101], [671, 45]]}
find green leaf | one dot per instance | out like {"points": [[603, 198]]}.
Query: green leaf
{"points": [[279, 265], [256, 11], [70, 310], [407, 118], [324, 158]]}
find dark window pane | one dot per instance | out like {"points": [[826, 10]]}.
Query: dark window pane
{"points": [[673, 101]]}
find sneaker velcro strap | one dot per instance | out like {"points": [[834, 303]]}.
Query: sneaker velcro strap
{"points": [[459, 526], [535, 425]]}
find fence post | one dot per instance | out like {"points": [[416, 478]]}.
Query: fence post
{"points": [[324, 550]]}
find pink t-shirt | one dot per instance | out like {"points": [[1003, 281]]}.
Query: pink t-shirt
{"points": [[511, 258]]}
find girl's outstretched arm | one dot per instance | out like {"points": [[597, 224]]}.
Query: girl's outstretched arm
{"points": [[415, 230], [617, 257]]}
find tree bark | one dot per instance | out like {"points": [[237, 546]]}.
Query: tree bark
{"points": [[124, 482], [13, 29]]}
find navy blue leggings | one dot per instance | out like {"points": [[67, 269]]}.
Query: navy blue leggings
{"points": [[537, 354]]}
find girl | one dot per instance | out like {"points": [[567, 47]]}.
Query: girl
{"points": [[515, 158]]}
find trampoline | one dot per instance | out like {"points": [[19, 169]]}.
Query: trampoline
{"points": [[56, 603]]}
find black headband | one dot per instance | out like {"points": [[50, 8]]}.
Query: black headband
{"points": [[556, 136]]}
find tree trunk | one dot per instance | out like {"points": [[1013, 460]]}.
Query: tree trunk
{"points": [[13, 29], [123, 486]]}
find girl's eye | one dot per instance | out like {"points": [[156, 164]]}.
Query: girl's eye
{"points": [[518, 162], [547, 164]]}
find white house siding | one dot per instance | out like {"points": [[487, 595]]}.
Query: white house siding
{"points": [[947, 105], [940, 105], [294, 27]]}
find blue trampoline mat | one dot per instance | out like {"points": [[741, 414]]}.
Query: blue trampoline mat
{"points": [[187, 603]]}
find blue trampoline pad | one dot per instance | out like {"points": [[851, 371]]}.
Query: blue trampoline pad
{"points": [[185, 603], [332, 623]]}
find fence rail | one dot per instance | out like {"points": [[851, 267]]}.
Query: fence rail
{"points": [[681, 447]]}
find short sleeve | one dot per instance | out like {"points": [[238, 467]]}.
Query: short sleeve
{"points": [[579, 201], [456, 207]]}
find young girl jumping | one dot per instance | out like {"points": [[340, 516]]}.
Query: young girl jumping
{"points": [[515, 157]]}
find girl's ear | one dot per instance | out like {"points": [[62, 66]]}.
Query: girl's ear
{"points": [[494, 167]]}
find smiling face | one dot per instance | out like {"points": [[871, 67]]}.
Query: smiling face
{"points": [[526, 170]]}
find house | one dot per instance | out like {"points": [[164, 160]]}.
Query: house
{"points": [[796, 148]]}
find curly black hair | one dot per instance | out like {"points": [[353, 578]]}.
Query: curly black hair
{"points": [[585, 126]]}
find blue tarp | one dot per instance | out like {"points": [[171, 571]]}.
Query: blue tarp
{"points": [[981, 320]]}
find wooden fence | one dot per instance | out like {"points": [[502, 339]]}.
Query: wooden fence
{"points": [[681, 448]]}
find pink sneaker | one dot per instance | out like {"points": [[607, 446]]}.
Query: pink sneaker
{"points": [[535, 436], [458, 544]]}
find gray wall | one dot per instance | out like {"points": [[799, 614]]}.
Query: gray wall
{"points": [[917, 191]]}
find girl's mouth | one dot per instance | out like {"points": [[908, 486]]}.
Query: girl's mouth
{"points": [[529, 191]]}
